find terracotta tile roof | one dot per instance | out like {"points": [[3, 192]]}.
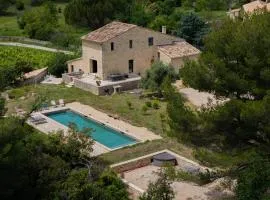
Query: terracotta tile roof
{"points": [[254, 5], [179, 49], [108, 32]]}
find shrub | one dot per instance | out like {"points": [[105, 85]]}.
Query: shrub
{"points": [[155, 104], [2, 106], [129, 104], [144, 109], [58, 65], [19, 5], [148, 104]]}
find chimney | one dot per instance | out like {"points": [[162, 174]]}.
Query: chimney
{"points": [[164, 30]]}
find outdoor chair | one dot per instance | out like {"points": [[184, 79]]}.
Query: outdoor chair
{"points": [[61, 102], [53, 103]]}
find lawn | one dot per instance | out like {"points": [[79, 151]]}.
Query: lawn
{"points": [[9, 26], [38, 58]]}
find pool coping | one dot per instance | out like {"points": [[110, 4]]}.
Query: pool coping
{"points": [[61, 109]]}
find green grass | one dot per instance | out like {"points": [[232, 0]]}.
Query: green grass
{"points": [[38, 58], [9, 26]]}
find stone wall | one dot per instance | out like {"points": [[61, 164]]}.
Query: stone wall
{"points": [[36, 79], [132, 165]]}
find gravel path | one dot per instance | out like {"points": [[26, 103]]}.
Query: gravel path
{"points": [[16, 44]]}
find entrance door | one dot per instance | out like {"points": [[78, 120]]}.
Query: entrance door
{"points": [[130, 66], [94, 66]]}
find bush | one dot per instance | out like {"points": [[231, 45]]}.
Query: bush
{"points": [[58, 66], [129, 104], [144, 109], [35, 24], [155, 104], [148, 104], [2, 106], [19, 5]]}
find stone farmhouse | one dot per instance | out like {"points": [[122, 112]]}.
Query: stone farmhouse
{"points": [[117, 54], [249, 8]]}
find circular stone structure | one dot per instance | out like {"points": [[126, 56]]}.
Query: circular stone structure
{"points": [[163, 159]]}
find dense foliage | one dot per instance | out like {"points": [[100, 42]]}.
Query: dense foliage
{"points": [[193, 29], [254, 179], [235, 64], [40, 22], [236, 60], [96, 13], [156, 75], [40, 166], [57, 66]]}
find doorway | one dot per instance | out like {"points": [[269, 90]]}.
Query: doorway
{"points": [[130, 66], [94, 66]]}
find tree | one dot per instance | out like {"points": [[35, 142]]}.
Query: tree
{"points": [[4, 4], [181, 119], [235, 64], [254, 179], [159, 190], [193, 29], [156, 74], [55, 166], [58, 66], [96, 13], [41, 22], [211, 5]]}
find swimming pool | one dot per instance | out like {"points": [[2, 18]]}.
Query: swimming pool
{"points": [[102, 134]]}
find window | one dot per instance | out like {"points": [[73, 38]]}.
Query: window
{"points": [[130, 44], [150, 41], [130, 66], [112, 46]]}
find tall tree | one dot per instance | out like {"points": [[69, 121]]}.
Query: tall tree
{"points": [[193, 29], [96, 13], [235, 61]]}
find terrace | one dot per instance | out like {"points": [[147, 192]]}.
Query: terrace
{"points": [[89, 82]]}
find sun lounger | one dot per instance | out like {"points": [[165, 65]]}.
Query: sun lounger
{"points": [[53, 103], [37, 119], [61, 102]]}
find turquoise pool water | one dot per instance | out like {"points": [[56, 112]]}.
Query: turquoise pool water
{"points": [[102, 134]]}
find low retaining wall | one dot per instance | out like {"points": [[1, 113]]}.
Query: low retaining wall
{"points": [[132, 165], [86, 86], [36, 79]]}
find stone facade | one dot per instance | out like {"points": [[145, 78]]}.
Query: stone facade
{"points": [[131, 51]]}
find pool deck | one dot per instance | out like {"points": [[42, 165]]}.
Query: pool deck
{"points": [[141, 134]]}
